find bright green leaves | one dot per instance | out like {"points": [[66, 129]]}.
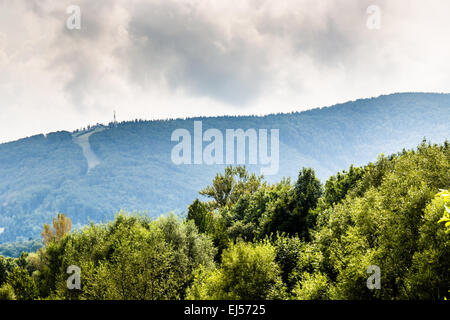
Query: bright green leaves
{"points": [[444, 194], [248, 271]]}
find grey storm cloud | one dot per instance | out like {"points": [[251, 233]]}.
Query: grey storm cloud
{"points": [[167, 58], [190, 51], [232, 61], [183, 44]]}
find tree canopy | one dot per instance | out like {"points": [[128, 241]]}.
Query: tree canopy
{"points": [[251, 239]]}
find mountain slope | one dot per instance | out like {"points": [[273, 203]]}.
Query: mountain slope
{"points": [[133, 170]]}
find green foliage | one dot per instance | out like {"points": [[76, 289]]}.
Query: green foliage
{"points": [[337, 187], [288, 253], [223, 217], [446, 218], [429, 276], [256, 240], [132, 257], [386, 222], [251, 210], [308, 190], [248, 271], [296, 258], [312, 287], [139, 267], [279, 214], [291, 210], [191, 249], [227, 188], [7, 292], [23, 285], [202, 217], [7, 265]]}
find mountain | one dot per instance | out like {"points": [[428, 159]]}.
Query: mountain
{"points": [[93, 173]]}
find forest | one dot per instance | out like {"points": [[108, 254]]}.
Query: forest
{"points": [[247, 238], [46, 174]]}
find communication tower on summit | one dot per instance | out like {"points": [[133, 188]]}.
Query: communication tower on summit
{"points": [[114, 119]]}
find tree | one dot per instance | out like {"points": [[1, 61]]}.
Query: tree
{"points": [[7, 292], [132, 257], [190, 249], [429, 276], [279, 211], [295, 258], [290, 209], [248, 271], [7, 265], [139, 267], [391, 222], [308, 190], [219, 215], [23, 285], [337, 187], [312, 287], [202, 217], [61, 226], [227, 188]]}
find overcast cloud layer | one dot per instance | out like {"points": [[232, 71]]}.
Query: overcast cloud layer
{"points": [[164, 59]]}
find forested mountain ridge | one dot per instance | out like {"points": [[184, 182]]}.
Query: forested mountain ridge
{"points": [[43, 175], [376, 232]]}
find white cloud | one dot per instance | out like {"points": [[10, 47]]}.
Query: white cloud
{"points": [[166, 58]]}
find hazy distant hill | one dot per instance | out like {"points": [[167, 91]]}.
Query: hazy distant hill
{"points": [[130, 163]]}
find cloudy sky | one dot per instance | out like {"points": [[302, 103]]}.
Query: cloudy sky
{"points": [[162, 59]]}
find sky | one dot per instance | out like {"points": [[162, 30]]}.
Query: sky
{"points": [[158, 59]]}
